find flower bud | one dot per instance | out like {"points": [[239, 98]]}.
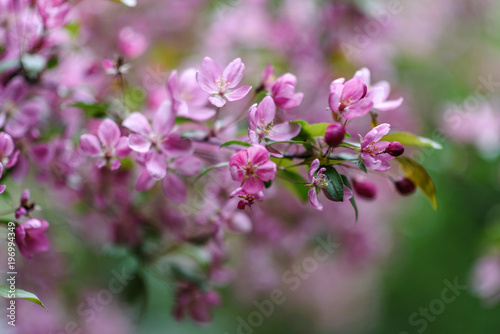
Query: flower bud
{"points": [[395, 149], [335, 134], [364, 187], [405, 186]]}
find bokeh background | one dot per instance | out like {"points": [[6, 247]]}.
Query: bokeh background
{"points": [[442, 56]]}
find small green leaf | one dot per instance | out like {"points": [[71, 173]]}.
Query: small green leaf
{"points": [[335, 186], [361, 166], [352, 199], [5, 292], [208, 169], [298, 189], [408, 139], [268, 184], [311, 131], [92, 110], [418, 175], [236, 142]]}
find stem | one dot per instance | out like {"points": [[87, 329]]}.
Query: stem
{"points": [[216, 117]]}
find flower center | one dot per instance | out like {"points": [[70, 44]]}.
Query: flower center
{"points": [[249, 169], [222, 85]]}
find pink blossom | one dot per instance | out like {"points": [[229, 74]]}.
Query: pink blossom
{"points": [[31, 238], [261, 122], [486, 279], [132, 44], [373, 150], [192, 301], [379, 92], [252, 168], [188, 99], [220, 84], [8, 157], [113, 67], [349, 99], [282, 89], [53, 12], [247, 199], [25, 205], [157, 142], [108, 145]]}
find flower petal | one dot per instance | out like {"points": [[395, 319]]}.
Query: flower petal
{"points": [[238, 94], [267, 171], [313, 168], [176, 146], [208, 75], [354, 90], [233, 72], [217, 101], [138, 123], [253, 185], [139, 143], [174, 188], [313, 199], [90, 145], [108, 133], [156, 165]]}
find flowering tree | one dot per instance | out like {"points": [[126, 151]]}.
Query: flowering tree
{"points": [[180, 173]]}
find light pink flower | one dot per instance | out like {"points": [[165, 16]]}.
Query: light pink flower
{"points": [[379, 92], [282, 89], [8, 157], [117, 67], [221, 84], [188, 99], [108, 145], [132, 44], [53, 12], [349, 99], [373, 150], [252, 168], [261, 122], [31, 238], [486, 278]]}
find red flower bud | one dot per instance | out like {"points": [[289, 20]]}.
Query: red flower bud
{"points": [[364, 187], [335, 134], [395, 149], [405, 186]]}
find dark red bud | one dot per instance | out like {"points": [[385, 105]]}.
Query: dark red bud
{"points": [[405, 186], [241, 205], [395, 149], [364, 187], [335, 134]]}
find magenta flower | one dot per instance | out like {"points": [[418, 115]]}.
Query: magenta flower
{"points": [[157, 142], [53, 12], [8, 157], [220, 84], [261, 122], [188, 99], [31, 238], [25, 205], [117, 67], [373, 150], [132, 44], [196, 303], [108, 145], [282, 89], [379, 92], [247, 199], [252, 168], [349, 99]]}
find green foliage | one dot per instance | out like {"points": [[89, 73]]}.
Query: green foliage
{"points": [[335, 188], [408, 139], [5, 292], [416, 173]]}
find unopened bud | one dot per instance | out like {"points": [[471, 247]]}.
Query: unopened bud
{"points": [[364, 187], [335, 134], [405, 186], [395, 149]]}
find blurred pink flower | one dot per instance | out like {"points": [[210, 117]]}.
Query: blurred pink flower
{"points": [[379, 92], [282, 89], [486, 279], [373, 150], [252, 168], [132, 44], [220, 84], [196, 303], [31, 238], [8, 157], [349, 99]]}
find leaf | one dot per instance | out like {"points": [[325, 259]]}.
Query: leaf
{"points": [[418, 175], [128, 3], [235, 142], [208, 169], [311, 131], [92, 109], [361, 166], [298, 189], [352, 199], [5, 291], [409, 139], [335, 186]]}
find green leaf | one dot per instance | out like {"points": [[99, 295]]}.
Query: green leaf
{"points": [[335, 186], [352, 199], [408, 139], [92, 109], [311, 131], [208, 169], [298, 189], [361, 166], [416, 173], [236, 142], [5, 292]]}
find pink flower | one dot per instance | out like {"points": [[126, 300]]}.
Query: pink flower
{"points": [[108, 145], [261, 121], [8, 157], [157, 142], [117, 67], [195, 302], [25, 205], [188, 99], [247, 199], [53, 12], [373, 150], [220, 84], [252, 168], [486, 278], [379, 92], [282, 89], [31, 238], [132, 44], [349, 99]]}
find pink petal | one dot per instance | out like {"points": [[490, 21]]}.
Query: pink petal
{"points": [[266, 171], [2, 188], [138, 123], [122, 148], [375, 134], [233, 72], [253, 185], [266, 111], [364, 75], [200, 114], [313, 199], [174, 188], [358, 109], [188, 166], [238, 94], [239, 223], [253, 118], [217, 101], [6, 144], [313, 168], [164, 119], [139, 143], [13, 159], [176, 146], [257, 155], [108, 133], [389, 105], [115, 164], [354, 90], [144, 182], [334, 96], [156, 165], [237, 161], [208, 75], [90, 145], [284, 131]]}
